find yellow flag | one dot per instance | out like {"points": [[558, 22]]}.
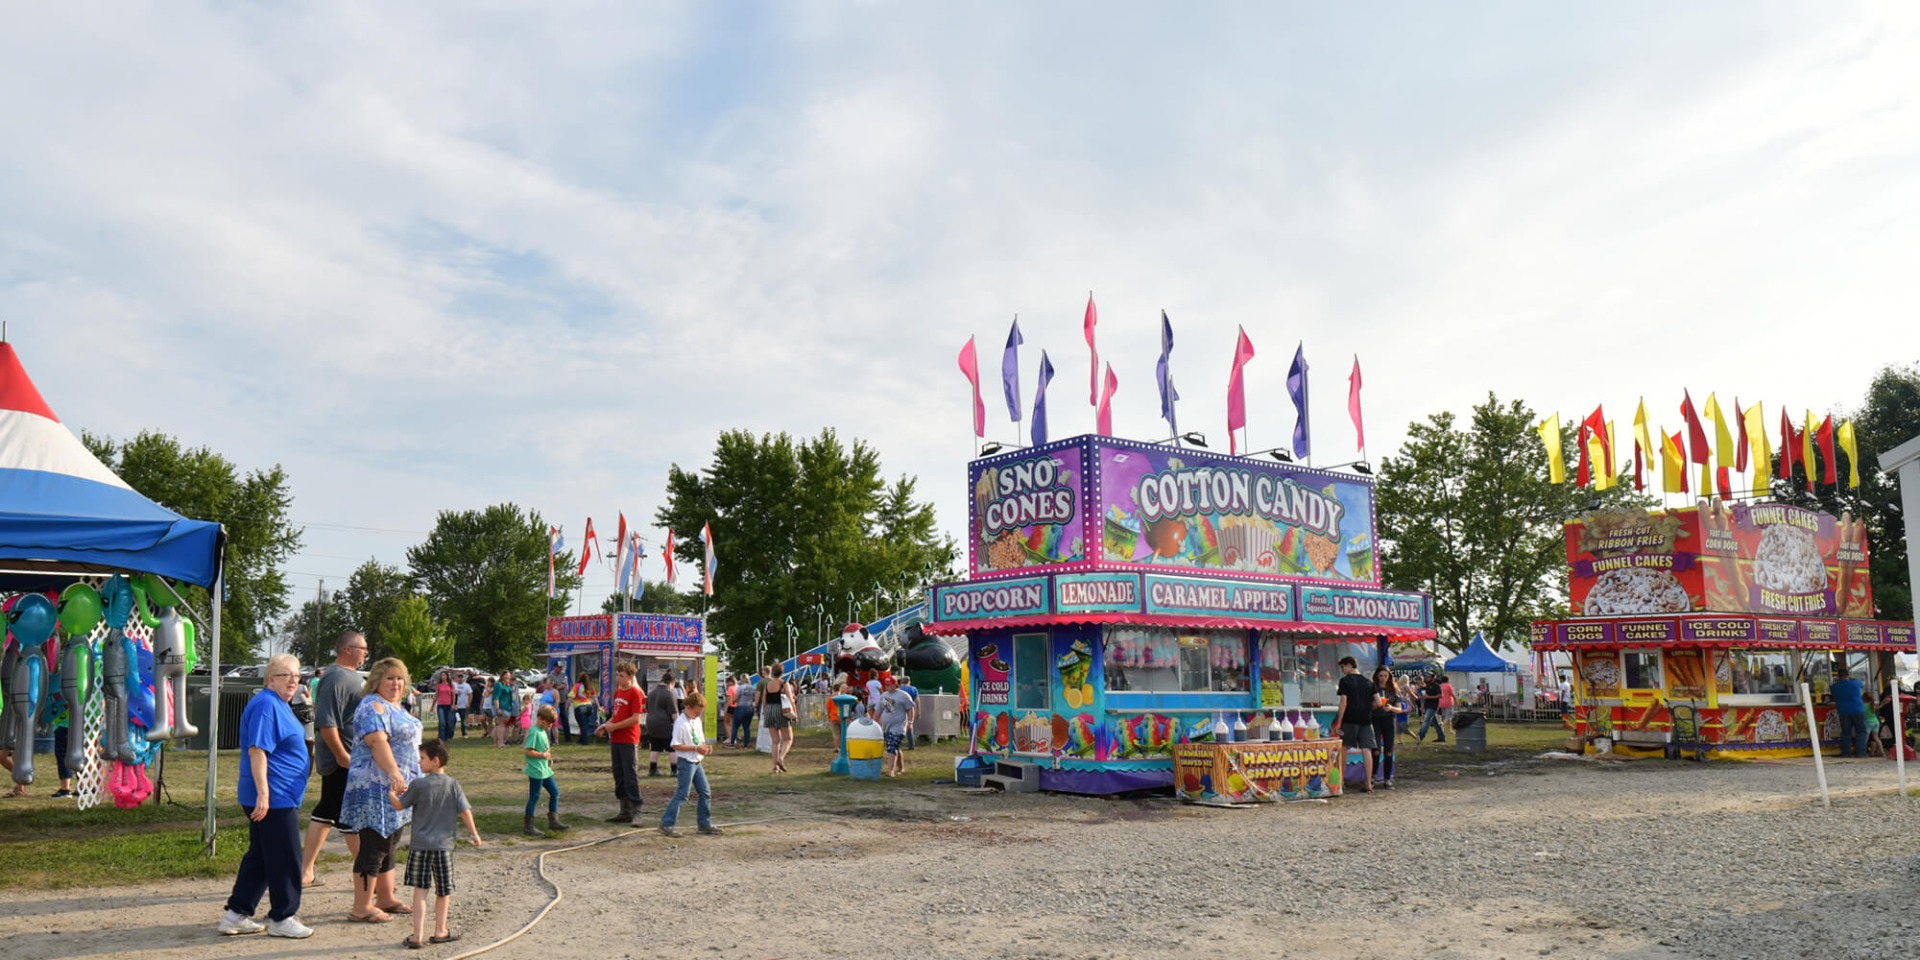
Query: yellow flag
{"points": [[1759, 451], [1640, 432], [1844, 437], [1550, 435], [1597, 447], [1674, 462], [1723, 454], [1806, 450]]}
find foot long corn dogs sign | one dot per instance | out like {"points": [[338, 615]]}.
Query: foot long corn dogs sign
{"points": [[1103, 504], [1764, 558]]}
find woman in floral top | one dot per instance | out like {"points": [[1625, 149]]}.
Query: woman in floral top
{"points": [[386, 756]]}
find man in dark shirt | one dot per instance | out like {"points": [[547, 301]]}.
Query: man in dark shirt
{"points": [[1430, 710], [334, 701], [1849, 701], [1353, 722]]}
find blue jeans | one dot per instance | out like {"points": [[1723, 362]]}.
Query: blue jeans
{"points": [[533, 794], [693, 777], [1432, 719], [586, 716], [1853, 734], [446, 722], [743, 726]]}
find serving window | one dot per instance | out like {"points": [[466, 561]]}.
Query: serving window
{"points": [[1149, 659], [1761, 671], [1641, 670]]}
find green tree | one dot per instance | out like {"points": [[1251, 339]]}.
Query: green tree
{"points": [[1888, 416], [420, 641], [794, 525], [655, 597], [485, 576], [1469, 516], [371, 597], [198, 483], [311, 632]]}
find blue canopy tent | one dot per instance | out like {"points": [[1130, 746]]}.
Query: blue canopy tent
{"points": [[63, 514], [1480, 658]]}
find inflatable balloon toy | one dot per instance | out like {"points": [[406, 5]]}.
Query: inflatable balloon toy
{"points": [[128, 783], [32, 620], [117, 658], [929, 661], [173, 657], [79, 666], [859, 659]]}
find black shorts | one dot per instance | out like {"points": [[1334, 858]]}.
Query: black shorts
{"points": [[659, 744], [376, 853], [333, 789], [1358, 735]]}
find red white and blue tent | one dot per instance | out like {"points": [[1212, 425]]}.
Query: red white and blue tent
{"points": [[59, 503]]}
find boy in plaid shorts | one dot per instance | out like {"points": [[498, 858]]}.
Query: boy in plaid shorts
{"points": [[437, 803]]}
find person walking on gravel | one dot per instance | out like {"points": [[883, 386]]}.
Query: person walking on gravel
{"points": [[1849, 701], [273, 785], [1353, 721], [660, 713], [334, 699], [1389, 710], [1430, 711], [690, 744], [776, 715]]}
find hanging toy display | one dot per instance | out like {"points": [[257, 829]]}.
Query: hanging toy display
{"points": [[79, 673], [31, 622], [173, 658], [117, 658]]}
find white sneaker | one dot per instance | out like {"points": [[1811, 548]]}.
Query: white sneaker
{"points": [[291, 928], [233, 924]]}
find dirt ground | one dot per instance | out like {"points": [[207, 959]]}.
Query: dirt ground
{"points": [[1542, 857]]}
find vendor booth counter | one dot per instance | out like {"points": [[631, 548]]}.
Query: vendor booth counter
{"points": [[1126, 599], [653, 642]]}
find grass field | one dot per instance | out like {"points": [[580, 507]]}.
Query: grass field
{"points": [[49, 844]]}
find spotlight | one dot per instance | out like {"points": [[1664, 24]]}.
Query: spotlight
{"points": [[1281, 455], [990, 449], [1196, 438]]}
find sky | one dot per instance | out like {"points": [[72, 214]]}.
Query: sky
{"points": [[438, 256]]}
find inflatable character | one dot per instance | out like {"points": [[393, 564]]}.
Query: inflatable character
{"points": [[929, 662], [79, 614], [859, 660], [172, 658], [32, 619], [117, 657]]}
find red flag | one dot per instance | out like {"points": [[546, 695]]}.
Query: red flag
{"points": [[1353, 406], [1584, 472], [589, 545], [1093, 374], [1725, 483], [1596, 426], [970, 365], [1740, 455], [667, 554], [1823, 438], [1702, 451], [1106, 403], [1236, 390]]}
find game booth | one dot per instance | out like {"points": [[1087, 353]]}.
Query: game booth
{"points": [[1693, 629], [1142, 615], [99, 636], [654, 642]]}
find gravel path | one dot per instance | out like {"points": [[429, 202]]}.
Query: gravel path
{"points": [[1540, 858]]}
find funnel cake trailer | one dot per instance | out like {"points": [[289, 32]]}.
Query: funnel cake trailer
{"points": [[1693, 629], [1123, 597]]}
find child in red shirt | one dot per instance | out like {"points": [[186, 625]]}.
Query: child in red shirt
{"points": [[622, 730]]}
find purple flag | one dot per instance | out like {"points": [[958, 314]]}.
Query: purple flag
{"points": [[1010, 370], [1167, 393], [1297, 389], [1040, 401]]}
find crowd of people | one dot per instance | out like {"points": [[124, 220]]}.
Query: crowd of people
{"points": [[1374, 711]]}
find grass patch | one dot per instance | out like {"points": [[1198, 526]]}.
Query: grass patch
{"points": [[117, 858]]}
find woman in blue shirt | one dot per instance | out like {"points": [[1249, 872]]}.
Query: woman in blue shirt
{"points": [[273, 785]]}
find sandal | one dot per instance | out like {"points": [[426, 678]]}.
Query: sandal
{"points": [[399, 908], [411, 944], [451, 936], [374, 917]]}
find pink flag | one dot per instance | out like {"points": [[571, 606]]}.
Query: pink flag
{"points": [[1353, 406], [970, 365], [1093, 372], [1106, 403], [1236, 391]]}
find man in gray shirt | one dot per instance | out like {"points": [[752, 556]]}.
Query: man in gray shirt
{"points": [[894, 709], [334, 701]]}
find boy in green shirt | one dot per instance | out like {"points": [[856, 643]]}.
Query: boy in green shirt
{"points": [[539, 769]]}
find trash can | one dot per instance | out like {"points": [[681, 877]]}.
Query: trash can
{"points": [[1470, 731]]}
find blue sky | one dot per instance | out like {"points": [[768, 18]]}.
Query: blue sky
{"points": [[447, 255]]}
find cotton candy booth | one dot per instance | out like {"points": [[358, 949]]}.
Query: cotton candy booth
{"points": [[1142, 615], [1693, 629]]}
